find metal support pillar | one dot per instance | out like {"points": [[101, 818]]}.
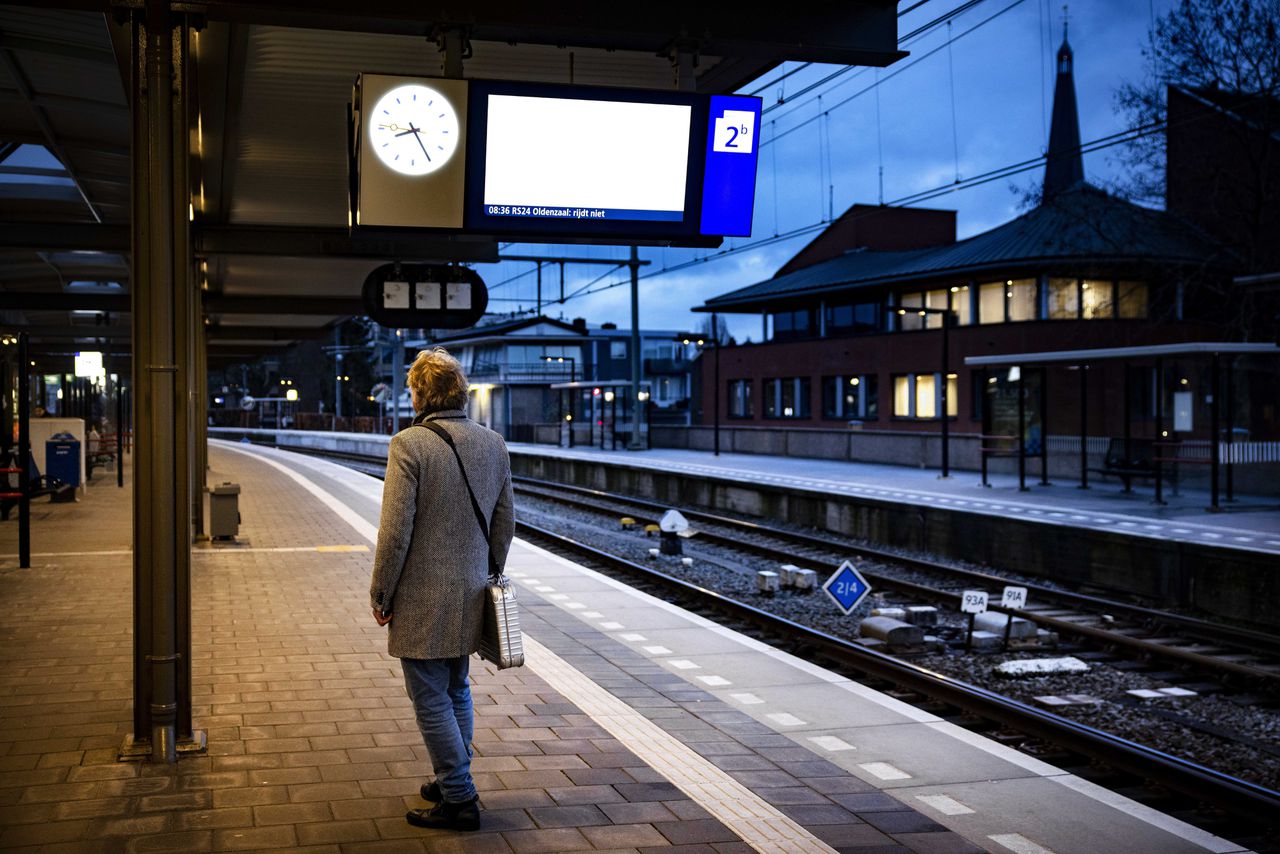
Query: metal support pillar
{"points": [[397, 379], [163, 293], [1022, 432], [634, 444], [1128, 422], [1214, 410], [24, 453], [1084, 426], [1044, 426], [1231, 427], [1160, 437], [337, 375], [200, 416], [946, 403], [119, 432], [538, 312], [715, 342]]}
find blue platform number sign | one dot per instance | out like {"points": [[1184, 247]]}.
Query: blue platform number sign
{"points": [[847, 587]]}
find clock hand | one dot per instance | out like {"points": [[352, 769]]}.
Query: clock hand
{"points": [[416, 131]]}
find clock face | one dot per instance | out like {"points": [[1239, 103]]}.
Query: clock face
{"points": [[414, 129]]}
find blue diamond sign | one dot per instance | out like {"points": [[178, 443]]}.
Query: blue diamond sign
{"points": [[847, 587]]}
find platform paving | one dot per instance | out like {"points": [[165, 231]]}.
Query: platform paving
{"points": [[311, 740], [1250, 522]]}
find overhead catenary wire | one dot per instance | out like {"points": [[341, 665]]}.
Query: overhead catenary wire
{"points": [[1007, 171]]}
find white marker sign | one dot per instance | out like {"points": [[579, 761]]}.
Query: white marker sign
{"points": [[1014, 597], [973, 601]]}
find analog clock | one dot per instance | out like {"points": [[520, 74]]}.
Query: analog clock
{"points": [[414, 129]]}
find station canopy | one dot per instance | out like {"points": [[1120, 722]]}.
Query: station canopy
{"points": [[271, 80]]}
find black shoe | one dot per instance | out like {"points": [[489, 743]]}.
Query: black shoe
{"points": [[447, 816], [431, 792]]}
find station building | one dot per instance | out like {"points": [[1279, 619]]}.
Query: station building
{"points": [[854, 338]]}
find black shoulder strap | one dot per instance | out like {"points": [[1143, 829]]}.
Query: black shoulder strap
{"points": [[494, 569]]}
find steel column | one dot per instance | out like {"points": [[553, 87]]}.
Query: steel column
{"points": [[1084, 426], [946, 403], [1216, 382], [715, 342], [634, 443], [163, 316], [1044, 427], [1160, 437], [1022, 432], [24, 453], [1231, 427]]}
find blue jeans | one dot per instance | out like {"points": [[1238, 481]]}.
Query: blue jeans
{"points": [[442, 701]]}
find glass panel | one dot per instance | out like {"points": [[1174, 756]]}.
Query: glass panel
{"points": [[1133, 300], [870, 396], [1096, 299], [991, 303], [852, 388], [1064, 299], [788, 398], [911, 320], [771, 398], [831, 397], [960, 306], [803, 393], [839, 317], [926, 392], [782, 323], [902, 396], [936, 299], [953, 395], [866, 316], [1021, 294], [801, 321]]}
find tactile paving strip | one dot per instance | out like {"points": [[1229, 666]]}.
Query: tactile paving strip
{"points": [[757, 823]]}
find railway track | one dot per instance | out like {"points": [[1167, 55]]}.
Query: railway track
{"points": [[1217, 802], [1249, 658], [1240, 810]]}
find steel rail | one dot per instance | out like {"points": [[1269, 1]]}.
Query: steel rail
{"points": [[1202, 629], [1236, 796]]}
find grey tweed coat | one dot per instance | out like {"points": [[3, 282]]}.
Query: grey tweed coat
{"points": [[431, 564]]}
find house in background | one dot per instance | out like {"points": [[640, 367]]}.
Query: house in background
{"points": [[513, 365]]}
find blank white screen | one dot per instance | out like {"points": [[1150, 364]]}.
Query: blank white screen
{"points": [[563, 152]]}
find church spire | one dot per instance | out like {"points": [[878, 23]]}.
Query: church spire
{"points": [[1065, 165]]}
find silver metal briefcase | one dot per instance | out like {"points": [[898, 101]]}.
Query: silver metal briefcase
{"points": [[501, 643]]}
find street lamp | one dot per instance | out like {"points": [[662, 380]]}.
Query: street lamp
{"points": [[946, 416]]}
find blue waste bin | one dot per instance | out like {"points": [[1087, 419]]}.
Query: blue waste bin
{"points": [[62, 458]]}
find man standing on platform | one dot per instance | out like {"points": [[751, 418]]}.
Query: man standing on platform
{"points": [[431, 569]]}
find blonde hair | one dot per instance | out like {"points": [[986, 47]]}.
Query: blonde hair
{"points": [[437, 382]]}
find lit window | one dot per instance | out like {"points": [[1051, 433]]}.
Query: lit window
{"points": [[936, 300], [960, 306], [1064, 299], [1096, 300], [926, 401], [902, 396], [991, 302], [1021, 294]]}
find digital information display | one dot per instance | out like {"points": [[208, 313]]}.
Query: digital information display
{"points": [[560, 162], [575, 159]]}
